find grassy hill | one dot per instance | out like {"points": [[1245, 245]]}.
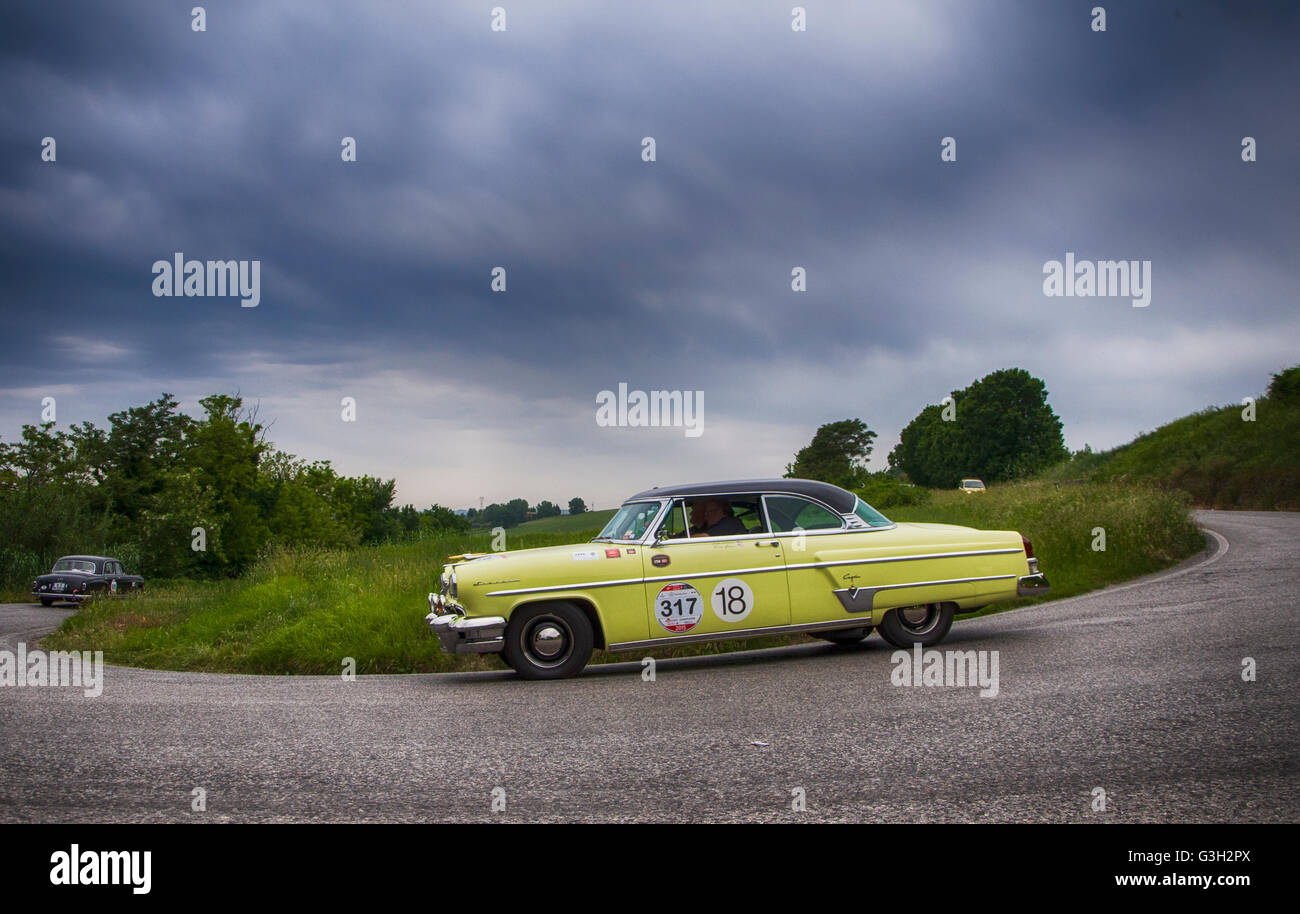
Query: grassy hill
{"points": [[567, 523], [1216, 456]]}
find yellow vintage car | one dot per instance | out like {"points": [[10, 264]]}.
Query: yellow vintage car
{"points": [[739, 559]]}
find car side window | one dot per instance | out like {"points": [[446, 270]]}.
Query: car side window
{"points": [[674, 523], [788, 512], [750, 513]]}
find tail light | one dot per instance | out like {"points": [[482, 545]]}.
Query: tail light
{"points": [[1029, 547]]}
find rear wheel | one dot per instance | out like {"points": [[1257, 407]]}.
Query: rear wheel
{"points": [[925, 625], [845, 635], [548, 641], [46, 601]]}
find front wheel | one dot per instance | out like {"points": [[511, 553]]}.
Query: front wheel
{"points": [[845, 636], [46, 601], [925, 625], [548, 641]]}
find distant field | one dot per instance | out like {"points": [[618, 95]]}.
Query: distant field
{"points": [[304, 610], [568, 523]]}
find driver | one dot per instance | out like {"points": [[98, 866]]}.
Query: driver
{"points": [[712, 516]]}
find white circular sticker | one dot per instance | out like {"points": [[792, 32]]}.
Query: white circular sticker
{"points": [[732, 600], [678, 607]]}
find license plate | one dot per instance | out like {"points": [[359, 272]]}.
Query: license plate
{"points": [[59, 585]]}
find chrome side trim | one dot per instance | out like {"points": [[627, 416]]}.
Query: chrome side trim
{"points": [[903, 558], [736, 633], [729, 571], [852, 597], [554, 587]]}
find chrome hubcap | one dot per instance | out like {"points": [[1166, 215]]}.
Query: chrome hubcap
{"points": [[548, 641], [919, 619]]}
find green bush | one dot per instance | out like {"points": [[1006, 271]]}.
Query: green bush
{"points": [[883, 491]]}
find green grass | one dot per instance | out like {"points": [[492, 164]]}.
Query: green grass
{"points": [[1146, 529], [304, 610], [591, 522], [1217, 457]]}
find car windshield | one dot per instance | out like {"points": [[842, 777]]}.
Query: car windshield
{"points": [[869, 514], [972, 483], [75, 565], [631, 521]]}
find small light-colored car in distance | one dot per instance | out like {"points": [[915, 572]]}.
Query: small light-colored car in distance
{"points": [[971, 486], [738, 559]]}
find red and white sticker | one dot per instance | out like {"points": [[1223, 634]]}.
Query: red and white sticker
{"points": [[732, 600], [679, 607], [612, 553]]}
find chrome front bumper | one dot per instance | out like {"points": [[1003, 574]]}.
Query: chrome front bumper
{"points": [[459, 635], [1033, 584]]}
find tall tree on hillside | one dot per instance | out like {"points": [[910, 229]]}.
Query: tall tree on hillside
{"points": [[1001, 428], [577, 506], [837, 454]]}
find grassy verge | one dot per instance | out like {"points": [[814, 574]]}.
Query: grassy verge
{"points": [[302, 611], [1146, 529]]}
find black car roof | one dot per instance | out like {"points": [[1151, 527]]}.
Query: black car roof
{"points": [[839, 499], [88, 558]]}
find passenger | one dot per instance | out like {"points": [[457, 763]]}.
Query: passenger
{"points": [[713, 517]]}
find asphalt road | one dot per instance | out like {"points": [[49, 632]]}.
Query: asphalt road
{"points": [[1136, 690]]}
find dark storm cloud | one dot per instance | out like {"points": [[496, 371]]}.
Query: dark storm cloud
{"points": [[521, 150]]}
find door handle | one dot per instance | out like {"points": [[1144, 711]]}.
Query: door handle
{"points": [[772, 543]]}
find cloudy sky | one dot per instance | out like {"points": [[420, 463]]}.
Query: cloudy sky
{"points": [[522, 149]]}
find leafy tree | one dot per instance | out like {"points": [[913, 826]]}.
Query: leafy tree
{"points": [[511, 514], [577, 506], [1003, 429], [223, 449], [1285, 386], [837, 454], [436, 519], [547, 509]]}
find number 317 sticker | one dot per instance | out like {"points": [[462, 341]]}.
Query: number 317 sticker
{"points": [[678, 607], [732, 600]]}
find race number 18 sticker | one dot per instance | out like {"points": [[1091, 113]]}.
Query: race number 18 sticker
{"points": [[678, 607], [732, 600]]}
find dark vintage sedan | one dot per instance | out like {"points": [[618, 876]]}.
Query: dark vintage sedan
{"points": [[76, 578]]}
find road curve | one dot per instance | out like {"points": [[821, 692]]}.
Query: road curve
{"points": [[1136, 690]]}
